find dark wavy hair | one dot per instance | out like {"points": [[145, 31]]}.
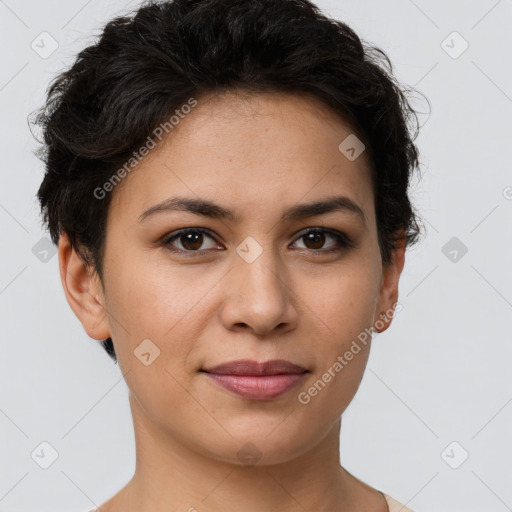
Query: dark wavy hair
{"points": [[148, 63]]}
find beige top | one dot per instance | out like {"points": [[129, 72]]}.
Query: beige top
{"points": [[393, 505]]}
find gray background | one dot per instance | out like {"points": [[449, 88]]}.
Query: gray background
{"points": [[440, 374]]}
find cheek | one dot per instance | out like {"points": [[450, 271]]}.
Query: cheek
{"points": [[157, 303], [342, 310], [153, 327], [145, 296], [344, 300], [342, 345]]}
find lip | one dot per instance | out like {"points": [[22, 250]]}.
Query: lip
{"points": [[254, 368], [257, 381]]}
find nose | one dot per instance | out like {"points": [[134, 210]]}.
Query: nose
{"points": [[258, 296]]}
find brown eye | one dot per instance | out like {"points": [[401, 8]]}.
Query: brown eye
{"points": [[314, 240], [191, 240]]}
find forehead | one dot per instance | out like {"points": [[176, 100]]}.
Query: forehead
{"points": [[254, 151]]}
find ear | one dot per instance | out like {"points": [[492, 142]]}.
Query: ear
{"points": [[388, 296], [83, 290]]}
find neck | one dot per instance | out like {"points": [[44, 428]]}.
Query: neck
{"points": [[172, 476]]}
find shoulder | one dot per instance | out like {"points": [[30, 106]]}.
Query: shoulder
{"points": [[395, 506]]}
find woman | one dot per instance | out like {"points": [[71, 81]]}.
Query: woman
{"points": [[227, 183]]}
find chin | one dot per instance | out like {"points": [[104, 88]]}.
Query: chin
{"points": [[261, 446]]}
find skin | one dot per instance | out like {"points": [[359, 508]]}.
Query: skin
{"points": [[257, 155]]}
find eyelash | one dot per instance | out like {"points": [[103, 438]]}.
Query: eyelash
{"points": [[343, 241]]}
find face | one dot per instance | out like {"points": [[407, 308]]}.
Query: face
{"points": [[255, 276]]}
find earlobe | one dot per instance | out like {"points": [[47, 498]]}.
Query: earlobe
{"points": [[389, 287], [83, 291]]}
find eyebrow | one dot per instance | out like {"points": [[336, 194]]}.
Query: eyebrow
{"points": [[210, 209]]}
